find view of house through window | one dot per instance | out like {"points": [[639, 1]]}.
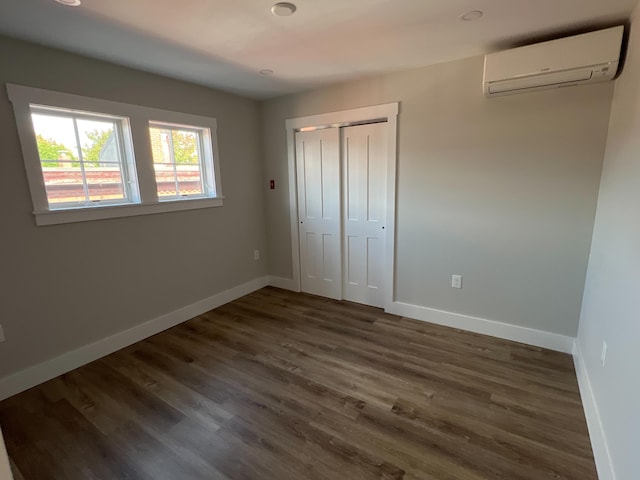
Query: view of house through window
{"points": [[81, 157], [177, 160]]}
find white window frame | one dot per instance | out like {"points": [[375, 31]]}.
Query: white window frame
{"points": [[139, 119], [204, 151], [128, 172]]}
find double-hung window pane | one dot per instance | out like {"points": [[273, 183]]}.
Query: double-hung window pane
{"points": [[82, 156], [181, 168]]}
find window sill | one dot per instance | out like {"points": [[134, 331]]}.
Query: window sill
{"points": [[85, 214]]}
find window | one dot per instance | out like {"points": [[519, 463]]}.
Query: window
{"points": [[83, 157], [89, 159], [178, 154]]}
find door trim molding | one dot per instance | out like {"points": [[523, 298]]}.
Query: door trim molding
{"points": [[344, 118]]}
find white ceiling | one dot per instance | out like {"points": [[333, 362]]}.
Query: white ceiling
{"points": [[225, 44]]}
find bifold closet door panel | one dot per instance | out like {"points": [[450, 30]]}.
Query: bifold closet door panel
{"points": [[319, 211], [364, 167]]}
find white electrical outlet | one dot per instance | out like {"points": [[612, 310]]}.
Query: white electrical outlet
{"points": [[603, 353], [256, 254], [1, 334], [456, 281]]}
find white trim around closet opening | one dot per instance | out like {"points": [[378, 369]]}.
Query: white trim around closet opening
{"points": [[386, 112]]}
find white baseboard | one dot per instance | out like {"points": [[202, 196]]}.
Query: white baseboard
{"points": [[530, 336], [284, 283], [599, 443], [66, 362]]}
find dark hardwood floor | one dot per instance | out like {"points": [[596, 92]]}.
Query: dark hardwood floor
{"points": [[278, 385]]}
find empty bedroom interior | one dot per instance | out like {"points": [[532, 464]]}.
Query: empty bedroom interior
{"points": [[184, 339]]}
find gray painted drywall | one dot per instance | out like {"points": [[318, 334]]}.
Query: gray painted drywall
{"points": [[611, 306], [502, 191], [64, 286]]}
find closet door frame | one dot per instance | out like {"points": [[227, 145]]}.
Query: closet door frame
{"points": [[345, 118]]}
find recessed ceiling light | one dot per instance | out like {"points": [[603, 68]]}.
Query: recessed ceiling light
{"points": [[283, 9], [471, 16], [266, 72], [70, 3]]}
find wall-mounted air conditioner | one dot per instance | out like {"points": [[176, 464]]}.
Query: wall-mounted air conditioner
{"points": [[578, 60]]}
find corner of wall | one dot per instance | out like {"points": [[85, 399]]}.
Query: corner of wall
{"points": [[599, 443]]}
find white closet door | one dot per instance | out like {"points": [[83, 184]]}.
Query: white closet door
{"points": [[364, 153], [318, 169]]}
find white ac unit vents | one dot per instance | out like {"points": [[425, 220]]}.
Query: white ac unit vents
{"points": [[578, 60]]}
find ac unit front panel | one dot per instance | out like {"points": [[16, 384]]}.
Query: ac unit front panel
{"points": [[601, 47]]}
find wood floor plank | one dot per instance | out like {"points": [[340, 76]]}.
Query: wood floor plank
{"points": [[282, 385]]}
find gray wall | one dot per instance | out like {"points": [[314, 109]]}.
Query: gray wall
{"points": [[611, 308], [64, 286], [502, 191]]}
